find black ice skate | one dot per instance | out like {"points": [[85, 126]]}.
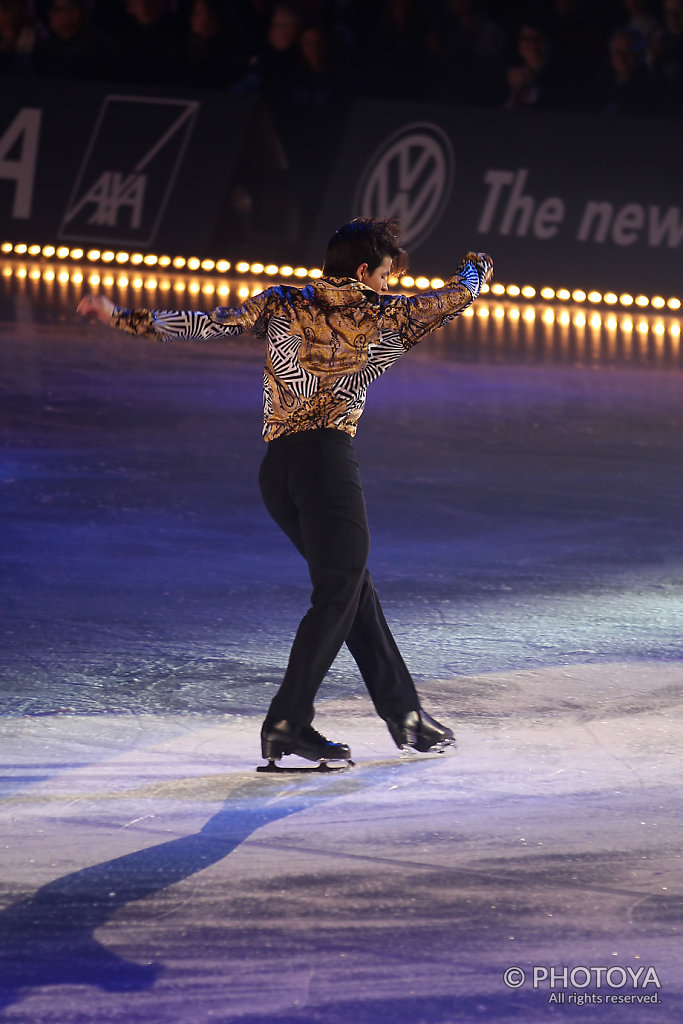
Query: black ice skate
{"points": [[280, 738], [418, 730]]}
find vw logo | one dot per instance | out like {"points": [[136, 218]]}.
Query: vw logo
{"points": [[410, 176]]}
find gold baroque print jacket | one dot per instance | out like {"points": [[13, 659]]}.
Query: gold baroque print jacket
{"points": [[326, 342]]}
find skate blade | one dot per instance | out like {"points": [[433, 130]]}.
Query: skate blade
{"points": [[272, 768], [437, 748]]}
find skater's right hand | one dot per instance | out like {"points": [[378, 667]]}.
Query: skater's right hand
{"points": [[485, 264], [95, 307], [479, 263]]}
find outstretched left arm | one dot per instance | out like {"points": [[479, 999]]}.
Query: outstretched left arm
{"points": [[169, 324]]}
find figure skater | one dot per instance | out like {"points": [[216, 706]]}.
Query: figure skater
{"points": [[325, 343]]}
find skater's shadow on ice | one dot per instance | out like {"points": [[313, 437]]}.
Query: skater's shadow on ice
{"points": [[48, 938]]}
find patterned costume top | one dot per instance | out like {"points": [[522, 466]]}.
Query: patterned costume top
{"points": [[326, 342]]}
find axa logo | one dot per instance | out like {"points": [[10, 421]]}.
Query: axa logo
{"points": [[129, 169], [409, 176]]}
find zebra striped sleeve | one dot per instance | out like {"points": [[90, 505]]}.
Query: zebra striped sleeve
{"points": [[167, 324]]}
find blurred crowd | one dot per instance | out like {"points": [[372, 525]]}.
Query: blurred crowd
{"points": [[606, 57]]}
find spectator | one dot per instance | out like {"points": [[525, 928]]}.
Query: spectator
{"points": [[477, 51], [580, 34], [629, 87], [150, 42], [321, 82], [110, 15], [539, 79], [395, 35], [215, 53], [74, 46], [20, 33], [640, 19], [334, 17], [666, 57], [273, 69], [257, 14]]}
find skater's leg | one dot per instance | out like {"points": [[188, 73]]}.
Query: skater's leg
{"points": [[312, 490], [318, 501], [381, 665], [388, 680]]}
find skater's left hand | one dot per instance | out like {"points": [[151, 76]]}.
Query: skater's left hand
{"points": [[95, 307]]}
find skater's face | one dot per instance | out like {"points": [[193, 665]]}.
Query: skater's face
{"points": [[377, 278]]}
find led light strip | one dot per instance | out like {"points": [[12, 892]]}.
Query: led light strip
{"points": [[578, 297], [123, 259], [577, 318]]}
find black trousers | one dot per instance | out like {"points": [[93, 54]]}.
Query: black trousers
{"points": [[311, 487]]}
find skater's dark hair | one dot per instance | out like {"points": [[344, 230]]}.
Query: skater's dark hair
{"points": [[364, 240]]}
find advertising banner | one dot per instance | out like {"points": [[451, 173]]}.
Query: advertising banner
{"points": [[99, 166], [558, 200]]}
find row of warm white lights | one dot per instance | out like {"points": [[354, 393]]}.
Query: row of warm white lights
{"points": [[193, 263], [577, 319], [108, 280], [136, 259], [528, 314]]}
